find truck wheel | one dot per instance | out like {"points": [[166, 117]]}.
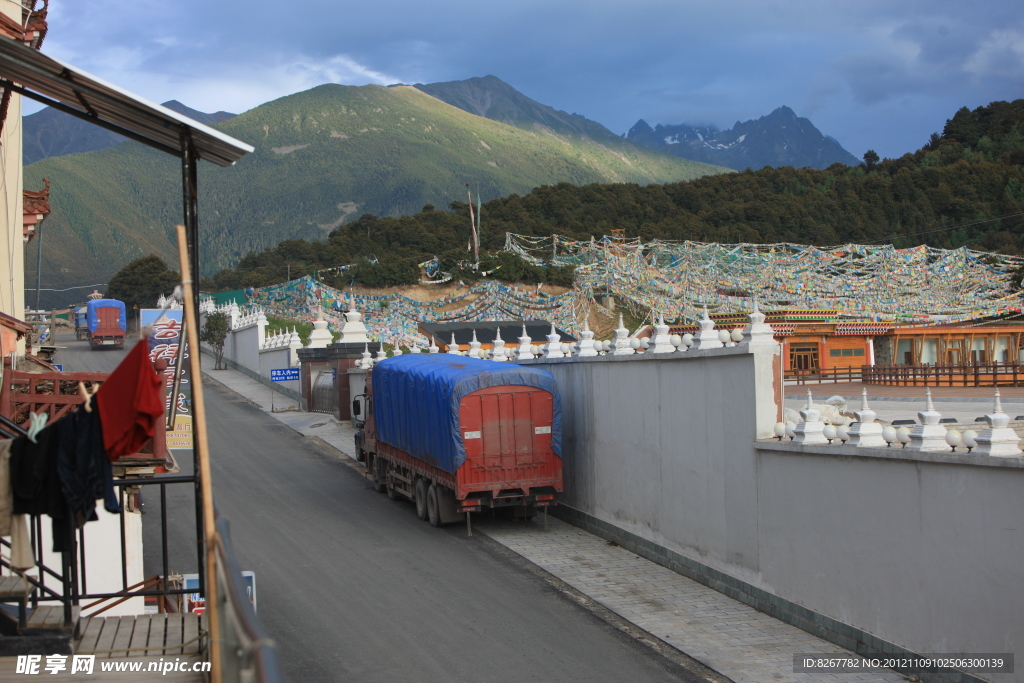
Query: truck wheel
{"points": [[380, 475], [421, 498], [433, 512]]}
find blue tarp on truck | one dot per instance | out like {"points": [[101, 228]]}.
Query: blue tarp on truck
{"points": [[416, 401], [96, 304]]}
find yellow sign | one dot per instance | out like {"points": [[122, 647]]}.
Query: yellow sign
{"points": [[181, 435]]}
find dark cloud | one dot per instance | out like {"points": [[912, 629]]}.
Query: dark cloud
{"points": [[873, 74]]}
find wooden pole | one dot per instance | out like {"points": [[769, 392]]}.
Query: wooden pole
{"points": [[472, 227], [202, 450]]}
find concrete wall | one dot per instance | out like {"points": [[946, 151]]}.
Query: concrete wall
{"points": [[874, 549], [925, 551], [243, 347], [663, 447]]}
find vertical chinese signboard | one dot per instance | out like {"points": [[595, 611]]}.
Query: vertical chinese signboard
{"points": [[164, 341]]}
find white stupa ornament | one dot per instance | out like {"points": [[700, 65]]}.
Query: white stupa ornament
{"points": [[353, 331], [622, 346], [498, 352], [997, 438], [929, 435], [525, 346], [759, 333], [865, 432], [810, 429], [587, 347], [366, 361], [474, 346], [553, 349], [320, 337], [662, 339], [707, 338], [453, 348], [433, 348]]}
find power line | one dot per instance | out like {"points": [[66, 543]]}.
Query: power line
{"points": [[66, 289], [954, 227]]}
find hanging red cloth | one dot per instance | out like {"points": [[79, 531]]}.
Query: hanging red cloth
{"points": [[131, 403]]}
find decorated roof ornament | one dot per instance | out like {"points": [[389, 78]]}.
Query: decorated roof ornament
{"points": [[865, 432], [929, 434], [662, 339], [622, 345], [353, 331], [453, 348], [553, 349], [810, 430], [587, 346], [759, 333], [498, 352], [997, 438], [474, 346], [707, 338], [525, 346]]}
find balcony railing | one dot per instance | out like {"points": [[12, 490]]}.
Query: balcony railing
{"points": [[63, 595]]}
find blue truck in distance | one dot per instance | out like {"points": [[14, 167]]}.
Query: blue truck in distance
{"points": [[107, 323]]}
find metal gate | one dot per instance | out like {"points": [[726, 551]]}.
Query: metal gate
{"points": [[325, 398]]}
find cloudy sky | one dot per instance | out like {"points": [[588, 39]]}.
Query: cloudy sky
{"points": [[874, 74]]}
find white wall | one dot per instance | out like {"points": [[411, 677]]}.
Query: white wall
{"points": [[925, 551], [12, 244], [103, 559]]}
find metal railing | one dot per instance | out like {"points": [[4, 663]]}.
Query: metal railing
{"points": [[824, 375], [248, 653], [953, 375]]}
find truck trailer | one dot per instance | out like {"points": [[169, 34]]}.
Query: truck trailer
{"points": [[107, 323], [81, 323], [457, 435]]}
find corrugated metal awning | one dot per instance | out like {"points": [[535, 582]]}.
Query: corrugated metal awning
{"points": [[62, 86]]}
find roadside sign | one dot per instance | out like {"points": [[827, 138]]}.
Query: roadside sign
{"points": [[284, 374], [59, 366]]}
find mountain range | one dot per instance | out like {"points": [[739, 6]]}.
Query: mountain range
{"points": [[52, 133], [779, 139], [492, 98], [323, 156]]}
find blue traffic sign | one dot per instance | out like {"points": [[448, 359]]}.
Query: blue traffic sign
{"points": [[59, 366], [284, 374]]}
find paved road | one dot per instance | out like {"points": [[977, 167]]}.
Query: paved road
{"points": [[353, 587]]}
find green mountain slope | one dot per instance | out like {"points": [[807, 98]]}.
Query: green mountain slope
{"points": [[964, 188], [322, 157]]}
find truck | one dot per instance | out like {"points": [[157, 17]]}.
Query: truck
{"points": [[81, 322], [456, 435], [107, 323]]}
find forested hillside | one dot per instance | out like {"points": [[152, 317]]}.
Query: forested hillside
{"points": [[965, 187], [322, 158]]}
